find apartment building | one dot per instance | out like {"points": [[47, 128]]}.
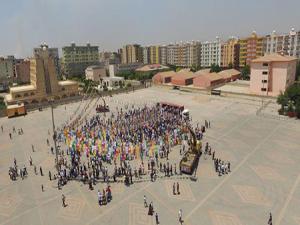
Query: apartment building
{"points": [[287, 44], [183, 54], [230, 53], [163, 54], [146, 55], [154, 54], [211, 53], [77, 58], [272, 74], [7, 72], [250, 48], [132, 54]]}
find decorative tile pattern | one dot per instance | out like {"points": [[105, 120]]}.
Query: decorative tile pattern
{"points": [[250, 195], [207, 170], [224, 218], [186, 193], [73, 210], [266, 173], [279, 157], [138, 215], [8, 204]]}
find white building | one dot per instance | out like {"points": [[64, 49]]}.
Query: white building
{"points": [[211, 53], [287, 44], [94, 73]]}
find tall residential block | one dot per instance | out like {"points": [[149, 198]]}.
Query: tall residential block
{"points": [[22, 69], [7, 72], [230, 53], [286, 44], [163, 54], [154, 54], [183, 54], [250, 48], [211, 53], [146, 55], [132, 54], [77, 58]]}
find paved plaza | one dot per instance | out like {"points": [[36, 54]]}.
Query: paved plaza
{"points": [[263, 151]]}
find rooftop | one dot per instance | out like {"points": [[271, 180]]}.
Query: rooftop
{"points": [[274, 58], [22, 88], [67, 82]]}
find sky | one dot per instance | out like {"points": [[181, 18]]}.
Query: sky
{"points": [[110, 24]]}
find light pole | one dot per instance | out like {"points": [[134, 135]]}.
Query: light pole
{"points": [[54, 134]]}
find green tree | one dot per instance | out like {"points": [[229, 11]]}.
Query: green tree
{"points": [[282, 100], [298, 71], [245, 73], [215, 68]]}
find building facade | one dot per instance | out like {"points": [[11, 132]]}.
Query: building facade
{"points": [[163, 54], [95, 73], [211, 53], [22, 70], [154, 54], [44, 85], [146, 55], [132, 54], [77, 58], [7, 72], [54, 53], [287, 44], [182, 54], [250, 48], [230, 53], [272, 74]]}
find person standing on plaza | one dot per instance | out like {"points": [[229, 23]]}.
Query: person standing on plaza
{"points": [[270, 221], [178, 192], [174, 192], [156, 218], [41, 171], [145, 201], [2, 128], [180, 216], [63, 199]]}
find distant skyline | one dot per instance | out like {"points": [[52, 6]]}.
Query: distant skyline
{"points": [[110, 24]]}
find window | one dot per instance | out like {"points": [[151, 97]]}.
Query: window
{"points": [[265, 72], [265, 64], [263, 89], [264, 81]]}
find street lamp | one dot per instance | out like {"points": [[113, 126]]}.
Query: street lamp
{"points": [[54, 133]]}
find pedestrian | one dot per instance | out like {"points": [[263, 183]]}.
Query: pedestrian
{"points": [[270, 222], [180, 216], [30, 161], [178, 192], [50, 178], [174, 193], [41, 171], [145, 202], [156, 218], [2, 128], [32, 147], [63, 198], [34, 168], [10, 135], [42, 187]]}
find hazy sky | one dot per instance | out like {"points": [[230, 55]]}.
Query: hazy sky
{"points": [[24, 24]]}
